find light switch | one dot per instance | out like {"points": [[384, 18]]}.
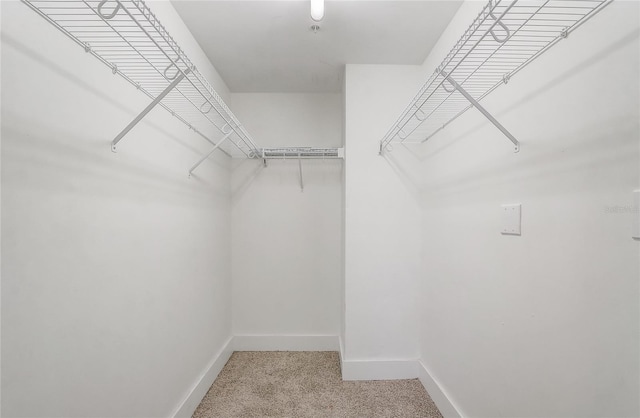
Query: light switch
{"points": [[635, 231], [511, 219]]}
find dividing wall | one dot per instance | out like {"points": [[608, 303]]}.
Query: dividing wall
{"points": [[382, 230]]}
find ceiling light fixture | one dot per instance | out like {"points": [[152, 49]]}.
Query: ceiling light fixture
{"points": [[317, 10]]}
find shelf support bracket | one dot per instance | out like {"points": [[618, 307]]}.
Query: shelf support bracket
{"points": [[147, 109], [300, 168], [482, 110], [203, 159]]}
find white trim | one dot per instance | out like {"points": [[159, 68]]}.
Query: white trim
{"points": [[379, 369], [188, 406], [341, 351], [438, 394], [286, 343]]}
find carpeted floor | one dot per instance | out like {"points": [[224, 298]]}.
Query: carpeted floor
{"points": [[307, 384]]}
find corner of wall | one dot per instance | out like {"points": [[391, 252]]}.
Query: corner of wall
{"points": [[200, 388], [443, 401]]}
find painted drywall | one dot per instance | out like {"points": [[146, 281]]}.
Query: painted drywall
{"points": [[0, 218], [342, 235], [286, 245], [546, 323], [382, 221], [115, 267]]}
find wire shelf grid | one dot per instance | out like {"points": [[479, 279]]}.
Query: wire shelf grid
{"points": [[126, 36], [301, 153], [505, 37]]}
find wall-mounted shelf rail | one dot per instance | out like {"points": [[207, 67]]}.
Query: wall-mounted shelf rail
{"points": [[301, 153], [505, 37], [295, 153], [127, 37]]}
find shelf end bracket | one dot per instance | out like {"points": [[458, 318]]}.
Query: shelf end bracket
{"points": [[300, 169], [147, 109], [482, 110], [203, 159]]}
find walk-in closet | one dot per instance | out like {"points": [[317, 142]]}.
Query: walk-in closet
{"points": [[319, 208]]}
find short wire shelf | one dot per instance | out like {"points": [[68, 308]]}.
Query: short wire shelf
{"points": [[301, 153]]}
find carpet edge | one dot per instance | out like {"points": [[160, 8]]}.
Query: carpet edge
{"points": [[275, 342]]}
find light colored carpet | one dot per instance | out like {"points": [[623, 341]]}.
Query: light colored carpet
{"points": [[307, 384]]}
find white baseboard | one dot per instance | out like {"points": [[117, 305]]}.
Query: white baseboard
{"points": [[341, 351], [439, 396], [200, 388], [286, 343], [379, 369]]}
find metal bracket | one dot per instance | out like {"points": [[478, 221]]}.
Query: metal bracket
{"points": [[147, 109], [565, 33], [482, 110], [300, 168], [224, 138]]}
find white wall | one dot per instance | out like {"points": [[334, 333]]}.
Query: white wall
{"points": [[286, 242], [382, 221], [0, 219], [116, 268], [543, 324]]}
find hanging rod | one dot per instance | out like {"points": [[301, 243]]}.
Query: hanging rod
{"points": [[127, 37], [301, 153], [505, 37]]}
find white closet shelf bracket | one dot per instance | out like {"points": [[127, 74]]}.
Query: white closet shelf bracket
{"points": [[204, 158], [147, 109], [127, 37], [300, 169], [482, 110], [505, 37]]}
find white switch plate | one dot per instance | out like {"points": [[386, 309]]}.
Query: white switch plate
{"points": [[511, 219], [636, 215]]}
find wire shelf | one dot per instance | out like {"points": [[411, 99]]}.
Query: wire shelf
{"points": [[504, 38], [126, 36], [301, 153]]}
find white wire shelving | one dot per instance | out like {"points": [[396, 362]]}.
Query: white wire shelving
{"points": [[504, 38], [127, 37], [301, 153]]}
